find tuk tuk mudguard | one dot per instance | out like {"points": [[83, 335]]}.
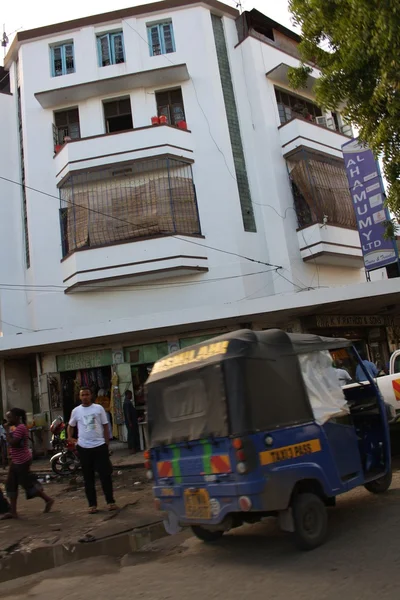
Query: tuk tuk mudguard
{"points": [[283, 482]]}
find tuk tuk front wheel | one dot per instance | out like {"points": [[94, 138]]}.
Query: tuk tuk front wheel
{"points": [[310, 521], [381, 485], [206, 535]]}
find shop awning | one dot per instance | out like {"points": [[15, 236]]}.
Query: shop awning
{"points": [[374, 298]]}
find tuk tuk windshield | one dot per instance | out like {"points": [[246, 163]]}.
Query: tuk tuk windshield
{"points": [[187, 408]]}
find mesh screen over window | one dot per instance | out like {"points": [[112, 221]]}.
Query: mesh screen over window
{"points": [[145, 198]]}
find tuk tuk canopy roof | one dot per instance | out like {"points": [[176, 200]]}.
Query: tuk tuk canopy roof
{"points": [[272, 344], [240, 382]]}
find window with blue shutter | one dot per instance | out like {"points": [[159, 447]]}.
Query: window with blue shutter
{"points": [[62, 59], [111, 49], [161, 38]]}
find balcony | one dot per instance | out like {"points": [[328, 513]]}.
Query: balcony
{"points": [[300, 132], [136, 205], [115, 148], [330, 245], [72, 94], [327, 228]]}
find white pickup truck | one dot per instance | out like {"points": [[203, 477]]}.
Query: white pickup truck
{"points": [[389, 385]]}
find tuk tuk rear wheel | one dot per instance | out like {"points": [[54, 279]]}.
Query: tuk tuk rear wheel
{"points": [[206, 535], [310, 521], [381, 485]]}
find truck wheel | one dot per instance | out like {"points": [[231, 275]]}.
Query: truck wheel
{"points": [[381, 485], [205, 535], [310, 521]]}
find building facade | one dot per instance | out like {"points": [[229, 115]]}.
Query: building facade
{"points": [[162, 183]]}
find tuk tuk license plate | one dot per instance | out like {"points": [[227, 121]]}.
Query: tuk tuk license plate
{"points": [[197, 504]]}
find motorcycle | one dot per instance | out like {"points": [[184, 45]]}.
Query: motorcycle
{"points": [[66, 462], [58, 430]]}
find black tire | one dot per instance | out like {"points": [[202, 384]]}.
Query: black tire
{"points": [[65, 464], [310, 521], [381, 485], [205, 535]]}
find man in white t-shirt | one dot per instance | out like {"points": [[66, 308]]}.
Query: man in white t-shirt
{"points": [[342, 374], [92, 446]]}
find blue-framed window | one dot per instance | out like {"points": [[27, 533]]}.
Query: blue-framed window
{"points": [[110, 48], [161, 38], [62, 59]]}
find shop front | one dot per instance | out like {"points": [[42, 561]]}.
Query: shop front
{"points": [[368, 333], [96, 370]]}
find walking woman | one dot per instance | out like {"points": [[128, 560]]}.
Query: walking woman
{"points": [[19, 473]]}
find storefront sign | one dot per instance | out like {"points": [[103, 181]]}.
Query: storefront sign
{"points": [[191, 356], [328, 321], [84, 360], [368, 196]]}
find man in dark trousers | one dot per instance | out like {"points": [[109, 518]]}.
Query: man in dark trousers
{"points": [[92, 446], [131, 423]]}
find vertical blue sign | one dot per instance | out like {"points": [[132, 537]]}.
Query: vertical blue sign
{"points": [[368, 194]]}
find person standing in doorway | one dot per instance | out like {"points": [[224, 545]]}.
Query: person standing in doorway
{"points": [[19, 473], [92, 446], [131, 423]]}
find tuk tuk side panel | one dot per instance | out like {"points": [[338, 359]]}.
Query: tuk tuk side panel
{"points": [[296, 454]]}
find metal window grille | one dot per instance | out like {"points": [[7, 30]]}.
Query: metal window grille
{"points": [[170, 104], [62, 59], [111, 49], [161, 38], [320, 189], [295, 107], [66, 124], [128, 202]]}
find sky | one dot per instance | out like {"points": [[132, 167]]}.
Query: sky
{"points": [[28, 14]]}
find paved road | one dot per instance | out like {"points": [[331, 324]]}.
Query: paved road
{"points": [[360, 561]]}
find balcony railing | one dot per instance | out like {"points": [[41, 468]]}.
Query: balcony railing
{"points": [[287, 114], [320, 191], [128, 202]]}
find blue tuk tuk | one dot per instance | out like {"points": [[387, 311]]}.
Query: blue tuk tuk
{"points": [[256, 424]]}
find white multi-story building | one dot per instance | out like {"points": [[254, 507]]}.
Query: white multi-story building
{"points": [[160, 183]]}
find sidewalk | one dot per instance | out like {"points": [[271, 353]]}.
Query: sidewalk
{"points": [[69, 521]]}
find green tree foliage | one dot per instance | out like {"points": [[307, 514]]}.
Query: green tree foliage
{"points": [[360, 70]]}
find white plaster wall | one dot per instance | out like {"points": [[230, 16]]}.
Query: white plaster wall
{"points": [[231, 280], [219, 207]]}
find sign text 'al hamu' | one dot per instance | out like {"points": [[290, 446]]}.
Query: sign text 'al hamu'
{"points": [[368, 197]]}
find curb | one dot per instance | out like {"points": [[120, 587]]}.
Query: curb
{"points": [[44, 558]]}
